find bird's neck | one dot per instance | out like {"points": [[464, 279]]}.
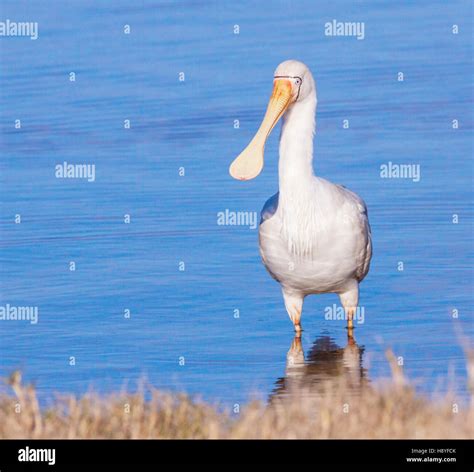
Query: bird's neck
{"points": [[295, 167], [296, 177]]}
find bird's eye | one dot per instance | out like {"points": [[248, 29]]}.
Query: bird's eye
{"points": [[297, 81]]}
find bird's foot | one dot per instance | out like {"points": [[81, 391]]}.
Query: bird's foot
{"points": [[350, 322], [350, 333], [298, 329]]}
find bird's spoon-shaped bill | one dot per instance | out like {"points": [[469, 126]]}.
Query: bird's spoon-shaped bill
{"points": [[249, 163]]}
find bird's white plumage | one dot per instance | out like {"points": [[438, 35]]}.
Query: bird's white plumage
{"points": [[314, 235], [333, 247]]}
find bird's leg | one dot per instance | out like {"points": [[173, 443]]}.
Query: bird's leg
{"points": [[350, 321], [298, 328], [349, 300], [294, 307]]}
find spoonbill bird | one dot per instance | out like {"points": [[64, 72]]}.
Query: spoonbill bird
{"points": [[314, 235]]}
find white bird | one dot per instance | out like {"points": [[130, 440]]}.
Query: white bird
{"points": [[314, 235]]}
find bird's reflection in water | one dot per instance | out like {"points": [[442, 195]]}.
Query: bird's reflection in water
{"points": [[327, 366]]}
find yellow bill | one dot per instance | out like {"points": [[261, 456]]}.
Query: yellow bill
{"points": [[249, 163]]}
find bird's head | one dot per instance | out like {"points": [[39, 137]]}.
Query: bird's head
{"points": [[292, 83]]}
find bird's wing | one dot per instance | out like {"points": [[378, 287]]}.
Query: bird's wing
{"points": [[362, 221], [269, 208]]}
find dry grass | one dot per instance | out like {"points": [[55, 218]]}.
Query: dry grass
{"points": [[390, 411]]}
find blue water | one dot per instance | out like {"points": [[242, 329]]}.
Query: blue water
{"points": [[189, 315]]}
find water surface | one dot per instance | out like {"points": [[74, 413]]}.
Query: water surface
{"points": [[218, 328]]}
